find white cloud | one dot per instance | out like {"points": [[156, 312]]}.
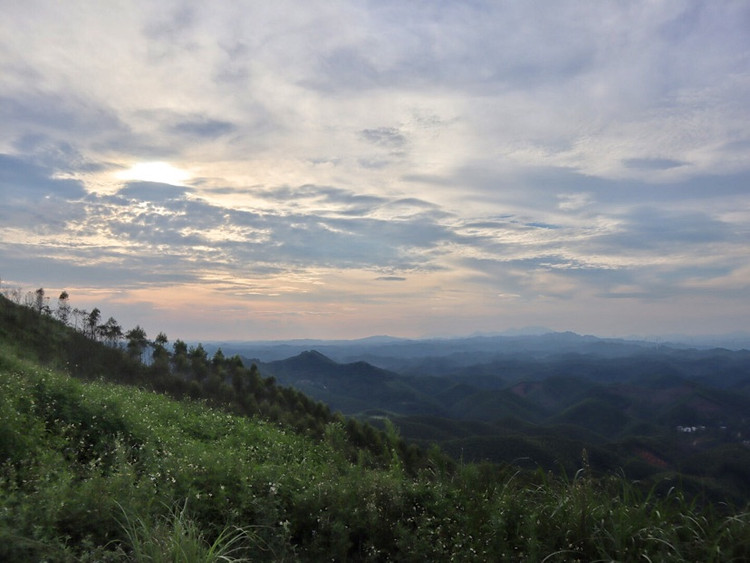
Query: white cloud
{"points": [[574, 201]]}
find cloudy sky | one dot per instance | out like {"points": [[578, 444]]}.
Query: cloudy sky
{"points": [[338, 169]]}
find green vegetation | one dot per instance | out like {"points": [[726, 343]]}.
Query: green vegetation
{"points": [[660, 418], [88, 351], [94, 470]]}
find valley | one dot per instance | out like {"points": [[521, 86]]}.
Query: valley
{"points": [[642, 409]]}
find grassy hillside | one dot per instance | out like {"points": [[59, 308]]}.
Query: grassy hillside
{"points": [[96, 471], [222, 382]]}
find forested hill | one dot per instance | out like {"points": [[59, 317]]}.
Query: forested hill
{"points": [[650, 413], [106, 458], [87, 350]]}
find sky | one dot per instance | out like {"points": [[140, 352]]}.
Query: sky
{"points": [[255, 170]]}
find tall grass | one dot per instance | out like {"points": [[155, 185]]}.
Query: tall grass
{"points": [[176, 538]]}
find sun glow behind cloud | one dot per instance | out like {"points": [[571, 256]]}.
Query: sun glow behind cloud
{"points": [[159, 172]]}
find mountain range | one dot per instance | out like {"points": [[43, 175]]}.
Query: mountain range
{"points": [[636, 406]]}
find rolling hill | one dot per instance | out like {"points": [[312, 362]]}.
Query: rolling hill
{"points": [[629, 411]]}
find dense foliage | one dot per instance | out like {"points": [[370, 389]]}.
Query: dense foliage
{"points": [[94, 470]]}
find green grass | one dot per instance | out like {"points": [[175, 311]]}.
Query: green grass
{"points": [[100, 472], [177, 538]]}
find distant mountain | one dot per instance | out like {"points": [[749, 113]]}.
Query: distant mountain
{"points": [[543, 399], [730, 341], [444, 356], [351, 387], [535, 389]]}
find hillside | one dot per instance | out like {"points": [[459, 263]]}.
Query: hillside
{"points": [[93, 470], [631, 412], [349, 388]]}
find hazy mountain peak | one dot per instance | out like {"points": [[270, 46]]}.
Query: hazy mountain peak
{"points": [[312, 356]]}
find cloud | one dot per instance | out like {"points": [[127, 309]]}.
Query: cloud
{"points": [[567, 155], [652, 163], [149, 221], [323, 197], [22, 180], [574, 202], [345, 68], [203, 128], [57, 114], [649, 229], [185, 128], [152, 191], [389, 137]]}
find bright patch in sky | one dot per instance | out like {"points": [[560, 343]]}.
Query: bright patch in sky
{"points": [[161, 172]]}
